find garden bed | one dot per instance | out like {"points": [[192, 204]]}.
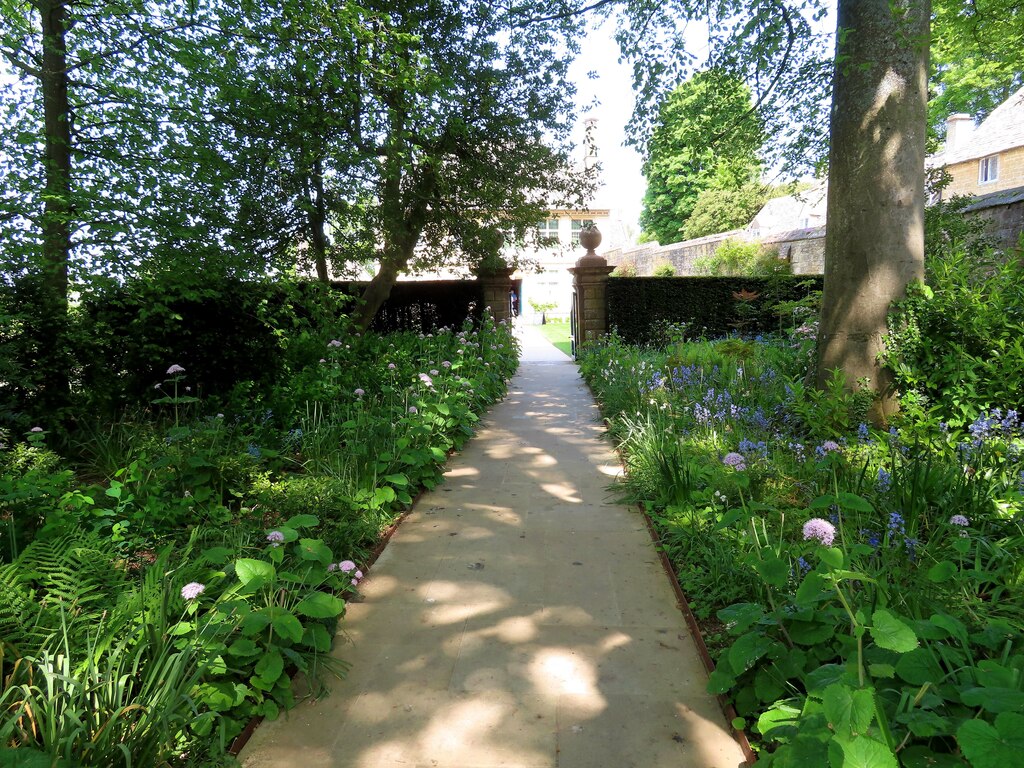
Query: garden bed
{"points": [[210, 547], [869, 580]]}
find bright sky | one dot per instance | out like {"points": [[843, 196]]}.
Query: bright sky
{"points": [[624, 185], [611, 95]]}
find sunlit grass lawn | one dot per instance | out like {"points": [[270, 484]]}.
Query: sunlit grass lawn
{"points": [[557, 332]]}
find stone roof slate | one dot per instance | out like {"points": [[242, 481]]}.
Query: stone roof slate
{"points": [[1000, 131]]}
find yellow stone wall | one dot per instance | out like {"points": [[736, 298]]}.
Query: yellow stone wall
{"points": [[965, 175]]}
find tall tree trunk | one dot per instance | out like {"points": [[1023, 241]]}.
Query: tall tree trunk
{"points": [[874, 243], [56, 221], [318, 223], [378, 289]]}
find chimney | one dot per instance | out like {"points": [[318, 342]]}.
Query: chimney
{"points": [[959, 129]]}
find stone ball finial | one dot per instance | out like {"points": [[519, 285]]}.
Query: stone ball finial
{"points": [[590, 238]]}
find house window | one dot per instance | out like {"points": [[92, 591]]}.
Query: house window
{"points": [[547, 232], [988, 169], [577, 227]]}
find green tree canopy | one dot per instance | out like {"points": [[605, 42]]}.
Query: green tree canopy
{"points": [[708, 136], [976, 57]]}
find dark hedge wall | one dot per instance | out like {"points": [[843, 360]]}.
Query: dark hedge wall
{"points": [[424, 306], [123, 337], [639, 308]]}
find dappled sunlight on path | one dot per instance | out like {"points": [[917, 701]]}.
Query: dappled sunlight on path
{"points": [[518, 618]]}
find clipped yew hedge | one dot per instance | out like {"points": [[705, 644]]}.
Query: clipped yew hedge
{"points": [[640, 308]]}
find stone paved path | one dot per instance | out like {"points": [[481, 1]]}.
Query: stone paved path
{"points": [[518, 618]]}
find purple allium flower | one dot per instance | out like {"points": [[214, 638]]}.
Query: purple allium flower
{"points": [[333, 343], [220, 415], [413, 409], [821, 530], [360, 392], [434, 371], [426, 379], [735, 460], [355, 582], [192, 590], [446, 364], [358, 574], [959, 520], [276, 538], [323, 359], [36, 429], [332, 567], [175, 369], [391, 366], [347, 566]]}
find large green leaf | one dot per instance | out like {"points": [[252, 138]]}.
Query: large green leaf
{"points": [[849, 710], [740, 616], [866, 752], [315, 550], [270, 666], [918, 667], [988, 746], [287, 626], [892, 633], [773, 570], [994, 699], [248, 569], [320, 605], [747, 650]]}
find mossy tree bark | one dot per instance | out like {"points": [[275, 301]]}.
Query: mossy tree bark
{"points": [[874, 243]]}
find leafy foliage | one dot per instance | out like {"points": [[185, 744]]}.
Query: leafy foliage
{"points": [[956, 341], [722, 209], [707, 137]]}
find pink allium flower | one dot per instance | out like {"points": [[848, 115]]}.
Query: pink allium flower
{"points": [[174, 369], [358, 574], [323, 359], [360, 392], [434, 371], [391, 366], [446, 364], [821, 530], [192, 590], [355, 582], [347, 566], [332, 567], [413, 409], [276, 538], [426, 379], [36, 429], [333, 343], [735, 460]]}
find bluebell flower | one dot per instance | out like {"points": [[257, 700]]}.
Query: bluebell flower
{"points": [[884, 481], [254, 450], [804, 565], [896, 523], [863, 433]]}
